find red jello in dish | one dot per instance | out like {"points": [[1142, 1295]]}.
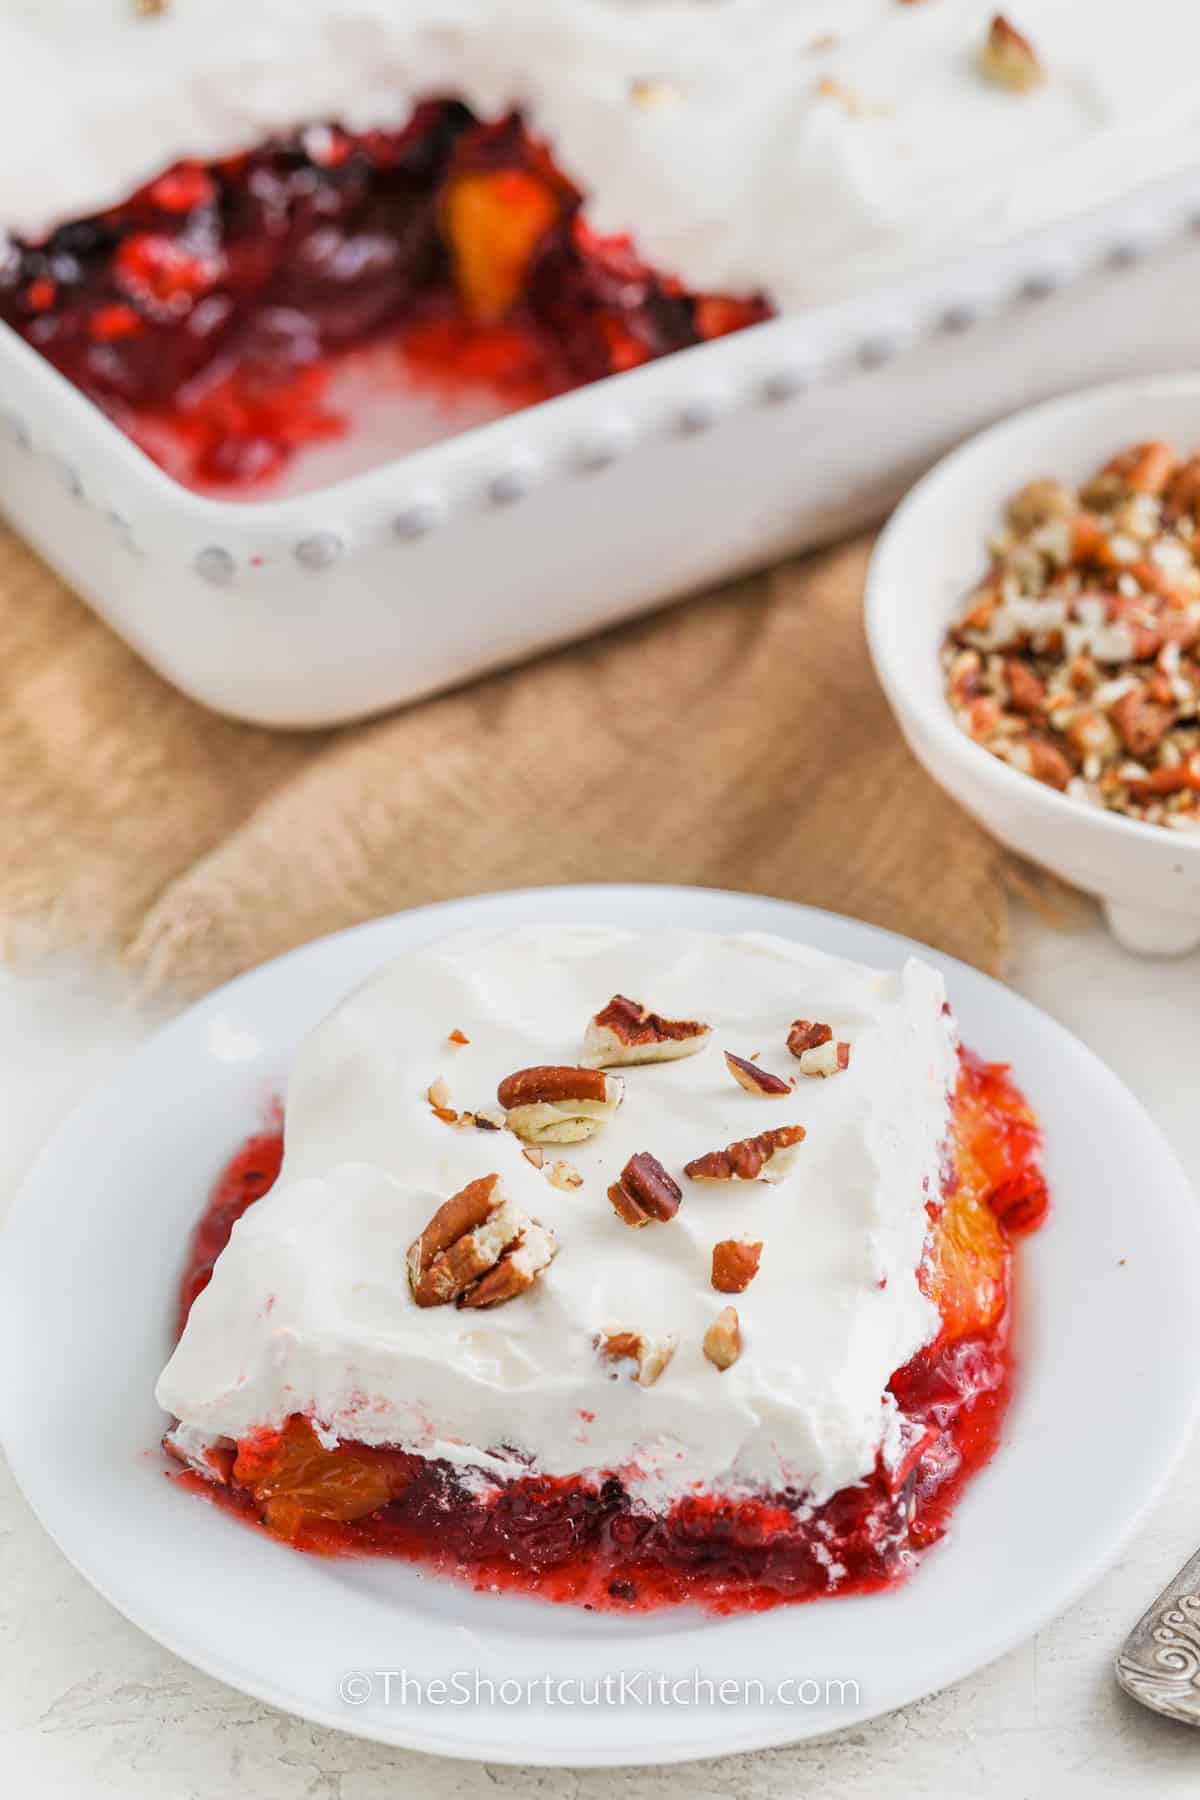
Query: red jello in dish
{"points": [[638, 1532], [207, 312]]}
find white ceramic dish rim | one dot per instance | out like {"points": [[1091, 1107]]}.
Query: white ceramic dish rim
{"points": [[769, 363], [1088, 1551], [937, 720]]}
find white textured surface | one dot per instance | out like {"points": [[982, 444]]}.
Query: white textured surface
{"points": [[702, 126], [309, 1308], [88, 1706]]}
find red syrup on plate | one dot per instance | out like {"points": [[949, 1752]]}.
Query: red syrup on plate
{"points": [[208, 312], [585, 1541]]}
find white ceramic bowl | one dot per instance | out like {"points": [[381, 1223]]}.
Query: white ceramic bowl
{"points": [[928, 558]]}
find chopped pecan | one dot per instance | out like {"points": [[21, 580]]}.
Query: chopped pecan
{"points": [[470, 1235], [1141, 722], [645, 1191], [438, 1096], [827, 1059], [1140, 469], [965, 677], [1008, 58], [758, 1081], [616, 1344], [1040, 502], [745, 1160], [1182, 498], [735, 1264], [1084, 676], [723, 1339], [481, 1121], [1177, 780], [452, 1233], [807, 1035], [625, 1033], [1089, 540], [517, 1269], [443, 1107], [1038, 757], [818, 1053], [559, 1105], [1026, 689], [564, 1175], [1090, 735]]}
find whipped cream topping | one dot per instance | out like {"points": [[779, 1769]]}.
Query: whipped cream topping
{"points": [[309, 1309], [805, 148]]}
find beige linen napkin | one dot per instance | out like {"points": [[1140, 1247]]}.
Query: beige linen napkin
{"points": [[737, 740]]}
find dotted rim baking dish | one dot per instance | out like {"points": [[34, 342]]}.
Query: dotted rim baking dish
{"points": [[573, 514]]}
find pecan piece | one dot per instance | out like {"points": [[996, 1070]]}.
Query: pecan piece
{"points": [[735, 1264], [815, 1046], [1008, 58], [625, 1032], [745, 1160], [758, 1081], [468, 1236], [1182, 498], [1038, 503], [1090, 735], [826, 1059], [1038, 757], [1141, 469], [442, 1106], [807, 1035], [1026, 689], [723, 1339], [1169, 781], [518, 1268], [1141, 723], [481, 1121], [438, 1096], [616, 1344], [559, 1105], [449, 1255], [966, 676], [645, 1191]]}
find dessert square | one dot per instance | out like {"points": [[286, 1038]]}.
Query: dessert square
{"points": [[622, 1268]]}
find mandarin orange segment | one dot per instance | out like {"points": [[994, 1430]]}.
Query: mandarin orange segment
{"points": [[295, 1480], [966, 1271], [994, 1141], [492, 221]]}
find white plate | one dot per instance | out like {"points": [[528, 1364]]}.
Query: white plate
{"points": [[1104, 1404]]}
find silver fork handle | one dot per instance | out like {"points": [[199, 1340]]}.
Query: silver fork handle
{"points": [[1159, 1663]]}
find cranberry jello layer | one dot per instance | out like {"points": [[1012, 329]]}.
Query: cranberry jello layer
{"points": [[207, 202], [208, 311], [622, 1268]]}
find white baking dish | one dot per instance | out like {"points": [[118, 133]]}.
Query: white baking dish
{"points": [[314, 608]]}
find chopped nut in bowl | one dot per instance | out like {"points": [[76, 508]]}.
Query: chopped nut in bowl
{"points": [[1033, 614], [1075, 658]]}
